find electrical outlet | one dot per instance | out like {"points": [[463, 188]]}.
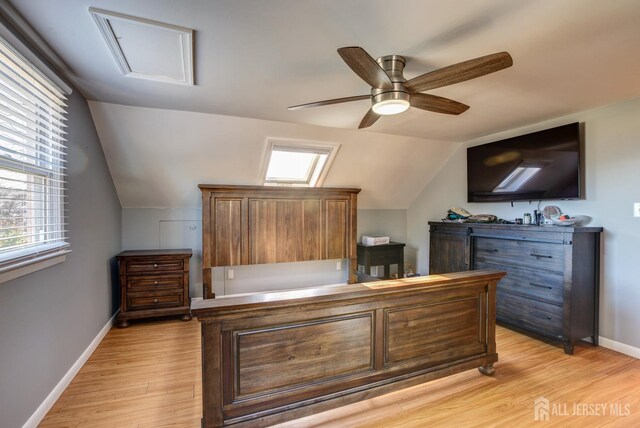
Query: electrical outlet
{"points": [[229, 273], [338, 265], [636, 209]]}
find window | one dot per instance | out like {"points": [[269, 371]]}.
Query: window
{"points": [[32, 164], [298, 163]]}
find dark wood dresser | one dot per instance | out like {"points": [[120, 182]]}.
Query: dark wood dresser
{"points": [[552, 282], [153, 283]]}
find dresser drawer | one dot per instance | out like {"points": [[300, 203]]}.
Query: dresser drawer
{"points": [[536, 284], [530, 314], [154, 282], [135, 266], [533, 255], [140, 301]]}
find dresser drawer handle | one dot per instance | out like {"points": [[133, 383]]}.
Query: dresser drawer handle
{"points": [[539, 315], [155, 265], [155, 282], [155, 300], [540, 255], [541, 286], [489, 250]]}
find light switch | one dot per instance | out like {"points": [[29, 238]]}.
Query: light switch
{"points": [[636, 209], [229, 273], [338, 265]]}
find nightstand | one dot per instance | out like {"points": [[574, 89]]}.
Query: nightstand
{"points": [[153, 283], [382, 255]]}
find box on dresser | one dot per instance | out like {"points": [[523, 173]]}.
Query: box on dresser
{"points": [[552, 282], [153, 283], [374, 240]]}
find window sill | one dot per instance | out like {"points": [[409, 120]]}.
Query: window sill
{"points": [[33, 265]]}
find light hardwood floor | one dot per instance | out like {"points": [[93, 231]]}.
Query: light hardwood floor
{"points": [[148, 375]]}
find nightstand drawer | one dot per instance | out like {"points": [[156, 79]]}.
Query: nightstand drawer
{"points": [[146, 266], [530, 314], [140, 301], [384, 258], [155, 282]]}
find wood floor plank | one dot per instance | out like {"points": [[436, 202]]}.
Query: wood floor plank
{"points": [[148, 376]]}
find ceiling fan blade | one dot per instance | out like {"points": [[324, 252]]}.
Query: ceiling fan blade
{"points": [[437, 104], [369, 119], [366, 67], [329, 102], [460, 72]]}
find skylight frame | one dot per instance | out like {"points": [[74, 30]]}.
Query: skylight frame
{"points": [[317, 171]]}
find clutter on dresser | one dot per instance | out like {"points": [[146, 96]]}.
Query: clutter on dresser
{"points": [[482, 218], [460, 215], [553, 215], [457, 214]]}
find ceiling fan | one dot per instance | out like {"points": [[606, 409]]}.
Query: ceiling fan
{"points": [[391, 93]]}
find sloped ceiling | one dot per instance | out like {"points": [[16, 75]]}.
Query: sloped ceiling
{"points": [[158, 157], [255, 58]]}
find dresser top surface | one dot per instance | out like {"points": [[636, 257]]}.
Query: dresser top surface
{"points": [[521, 227], [156, 253]]}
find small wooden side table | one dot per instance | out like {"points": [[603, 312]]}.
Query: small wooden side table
{"points": [[154, 283], [382, 255]]}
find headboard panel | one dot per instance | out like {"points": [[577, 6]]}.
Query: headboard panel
{"points": [[243, 225]]}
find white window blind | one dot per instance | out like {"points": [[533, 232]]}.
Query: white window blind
{"points": [[32, 163]]}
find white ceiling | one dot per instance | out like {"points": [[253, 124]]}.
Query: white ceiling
{"points": [[254, 58]]}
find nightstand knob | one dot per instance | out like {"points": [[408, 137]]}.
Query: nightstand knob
{"points": [[155, 265], [155, 300], [155, 282]]}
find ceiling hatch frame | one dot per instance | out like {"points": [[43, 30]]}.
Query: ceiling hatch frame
{"points": [[105, 21]]}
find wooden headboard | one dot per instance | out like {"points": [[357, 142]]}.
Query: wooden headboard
{"points": [[244, 225]]}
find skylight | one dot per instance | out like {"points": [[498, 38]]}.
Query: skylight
{"points": [[296, 163], [517, 178]]}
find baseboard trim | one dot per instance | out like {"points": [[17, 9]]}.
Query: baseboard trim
{"points": [[53, 396], [623, 348]]}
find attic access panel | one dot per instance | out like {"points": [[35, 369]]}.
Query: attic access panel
{"points": [[147, 49]]}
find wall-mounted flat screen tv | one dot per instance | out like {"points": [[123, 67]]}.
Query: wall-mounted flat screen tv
{"points": [[538, 166]]}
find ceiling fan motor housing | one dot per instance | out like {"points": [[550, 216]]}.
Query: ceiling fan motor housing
{"points": [[393, 65]]}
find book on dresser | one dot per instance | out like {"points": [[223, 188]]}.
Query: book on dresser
{"points": [[153, 283], [552, 282]]}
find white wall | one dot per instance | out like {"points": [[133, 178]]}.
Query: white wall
{"points": [[278, 276], [391, 223], [612, 164], [152, 228]]}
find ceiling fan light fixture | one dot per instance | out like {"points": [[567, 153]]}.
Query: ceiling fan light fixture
{"points": [[390, 107], [389, 103]]}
